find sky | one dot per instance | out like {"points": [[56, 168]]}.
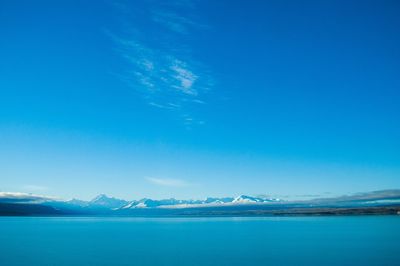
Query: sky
{"points": [[190, 99]]}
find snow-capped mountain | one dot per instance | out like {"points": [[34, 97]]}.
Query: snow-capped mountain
{"points": [[77, 202], [104, 201], [173, 203], [243, 199], [149, 203], [217, 200], [383, 202], [247, 199]]}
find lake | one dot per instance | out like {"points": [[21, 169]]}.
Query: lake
{"points": [[357, 240]]}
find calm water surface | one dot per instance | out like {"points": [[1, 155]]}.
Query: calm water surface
{"points": [[363, 240]]}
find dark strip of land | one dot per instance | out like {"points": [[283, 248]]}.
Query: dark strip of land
{"points": [[18, 209]]}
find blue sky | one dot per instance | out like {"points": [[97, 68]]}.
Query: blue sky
{"points": [[190, 99]]}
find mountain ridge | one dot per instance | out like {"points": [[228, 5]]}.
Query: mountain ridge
{"points": [[104, 201], [374, 202]]}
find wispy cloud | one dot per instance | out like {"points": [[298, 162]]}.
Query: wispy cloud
{"points": [[172, 21], [184, 77], [167, 182], [175, 22], [162, 68]]}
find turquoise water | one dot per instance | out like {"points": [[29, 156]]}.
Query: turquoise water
{"points": [[363, 240]]}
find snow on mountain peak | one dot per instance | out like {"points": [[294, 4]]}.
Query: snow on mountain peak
{"points": [[246, 199], [103, 200]]}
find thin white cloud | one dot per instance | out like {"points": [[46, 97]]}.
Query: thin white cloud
{"points": [[185, 77], [167, 182], [171, 21], [181, 24], [158, 105], [198, 101]]}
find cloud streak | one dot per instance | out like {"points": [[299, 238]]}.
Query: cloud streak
{"points": [[167, 182]]}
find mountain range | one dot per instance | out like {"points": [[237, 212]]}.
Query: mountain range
{"points": [[30, 204]]}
